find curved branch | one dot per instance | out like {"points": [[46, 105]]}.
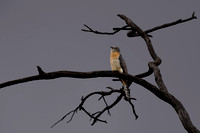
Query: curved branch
{"points": [[60, 74], [73, 74], [166, 96], [157, 61], [107, 108], [94, 116], [134, 27], [175, 103]]}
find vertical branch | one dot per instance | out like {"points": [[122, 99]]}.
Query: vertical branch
{"points": [[157, 61], [176, 104]]}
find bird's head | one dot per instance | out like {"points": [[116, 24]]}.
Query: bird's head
{"points": [[115, 49]]}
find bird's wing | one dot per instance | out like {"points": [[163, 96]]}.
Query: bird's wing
{"points": [[127, 83], [123, 64]]}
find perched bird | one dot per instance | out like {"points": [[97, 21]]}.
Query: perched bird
{"points": [[117, 63]]}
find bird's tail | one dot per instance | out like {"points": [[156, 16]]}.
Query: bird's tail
{"points": [[126, 90]]}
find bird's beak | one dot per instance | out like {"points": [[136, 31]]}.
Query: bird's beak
{"points": [[111, 47]]}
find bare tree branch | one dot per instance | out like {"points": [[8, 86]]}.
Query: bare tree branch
{"points": [[135, 34], [115, 30], [70, 74], [165, 96], [172, 23], [157, 61], [105, 104], [107, 108], [95, 116], [133, 109], [175, 103]]}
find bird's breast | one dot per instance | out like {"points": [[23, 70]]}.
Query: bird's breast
{"points": [[115, 65]]}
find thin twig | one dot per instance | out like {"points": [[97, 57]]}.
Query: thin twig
{"points": [[105, 103], [91, 116], [115, 30], [94, 116], [73, 112], [133, 109], [107, 108]]}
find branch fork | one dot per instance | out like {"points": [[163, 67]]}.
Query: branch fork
{"points": [[96, 116]]}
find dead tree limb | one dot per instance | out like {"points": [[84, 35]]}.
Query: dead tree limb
{"points": [[172, 23], [135, 34], [70, 74], [153, 68], [95, 116], [165, 96], [115, 30]]}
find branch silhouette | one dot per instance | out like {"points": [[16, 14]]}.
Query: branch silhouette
{"points": [[159, 90], [95, 116], [132, 33], [153, 68]]}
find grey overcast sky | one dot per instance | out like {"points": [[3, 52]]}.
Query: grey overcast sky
{"points": [[48, 33]]}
